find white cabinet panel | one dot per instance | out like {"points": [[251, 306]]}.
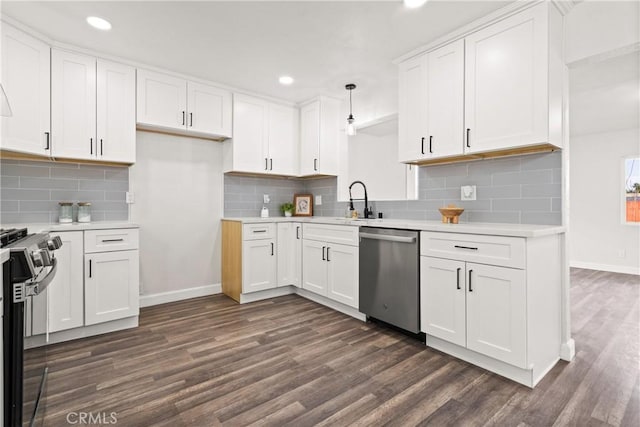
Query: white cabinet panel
{"points": [[283, 140], [73, 110], [319, 137], [116, 112], [258, 265], [314, 268], [309, 138], [26, 80], [116, 239], [343, 274], [412, 109], [497, 313], [111, 286], [250, 134], [442, 299], [162, 100], [289, 254], [66, 290], [209, 109], [506, 75], [445, 101]]}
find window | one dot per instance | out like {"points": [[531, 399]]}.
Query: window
{"points": [[631, 197]]}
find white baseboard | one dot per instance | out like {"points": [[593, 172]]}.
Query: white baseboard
{"points": [[179, 295], [605, 267]]}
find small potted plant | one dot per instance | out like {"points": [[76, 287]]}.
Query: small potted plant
{"points": [[287, 209]]}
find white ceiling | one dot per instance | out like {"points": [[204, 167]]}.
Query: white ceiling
{"points": [[248, 45], [605, 96]]}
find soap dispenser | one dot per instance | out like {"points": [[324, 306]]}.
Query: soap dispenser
{"points": [[264, 213]]}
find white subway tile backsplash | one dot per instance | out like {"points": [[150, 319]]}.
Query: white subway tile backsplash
{"points": [[35, 188]]}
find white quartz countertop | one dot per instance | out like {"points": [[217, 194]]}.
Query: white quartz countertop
{"points": [[75, 226], [494, 229]]}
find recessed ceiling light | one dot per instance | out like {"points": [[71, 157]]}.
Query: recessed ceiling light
{"points": [[413, 4], [285, 80], [99, 23]]}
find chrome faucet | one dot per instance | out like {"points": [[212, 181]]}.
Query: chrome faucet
{"points": [[367, 211]]}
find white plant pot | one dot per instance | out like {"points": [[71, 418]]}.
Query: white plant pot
{"points": [[287, 213]]}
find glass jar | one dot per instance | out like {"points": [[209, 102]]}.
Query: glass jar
{"points": [[84, 212], [66, 212]]}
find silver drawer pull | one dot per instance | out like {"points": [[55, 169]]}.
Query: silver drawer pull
{"points": [[465, 247], [112, 240], [259, 231]]}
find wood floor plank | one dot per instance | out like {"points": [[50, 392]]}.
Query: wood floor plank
{"points": [[289, 361]]}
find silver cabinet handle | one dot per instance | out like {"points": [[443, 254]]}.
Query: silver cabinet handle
{"points": [[112, 240], [259, 231]]}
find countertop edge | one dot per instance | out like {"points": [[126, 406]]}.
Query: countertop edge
{"points": [[99, 225]]}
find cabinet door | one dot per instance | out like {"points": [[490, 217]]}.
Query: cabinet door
{"points": [[331, 135], [445, 105], [26, 80], [506, 70], [209, 110], [289, 253], [250, 151], [283, 140], [412, 109], [497, 313], [116, 112], [73, 105], [258, 265], [66, 291], [310, 138], [343, 274], [442, 299], [111, 286], [314, 266], [161, 100]]}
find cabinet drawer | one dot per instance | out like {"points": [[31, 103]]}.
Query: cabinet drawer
{"points": [[342, 234], [493, 250], [121, 239], [258, 231]]}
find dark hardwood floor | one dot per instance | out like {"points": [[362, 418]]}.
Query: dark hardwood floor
{"points": [[289, 361]]}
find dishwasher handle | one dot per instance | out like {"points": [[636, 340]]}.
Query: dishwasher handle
{"points": [[398, 239]]}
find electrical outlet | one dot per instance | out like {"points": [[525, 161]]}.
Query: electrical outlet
{"points": [[468, 192], [622, 253], [265, 198], [129, 198], [318, 200]]}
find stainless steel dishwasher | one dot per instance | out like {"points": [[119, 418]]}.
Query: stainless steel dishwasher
{"points": [[390, 276]]}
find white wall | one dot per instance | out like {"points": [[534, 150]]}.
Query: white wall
{"points": [[178, 185], [596, 27], [597, 234]]}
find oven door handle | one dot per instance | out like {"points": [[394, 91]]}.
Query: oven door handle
{"points": [[40, 285]]}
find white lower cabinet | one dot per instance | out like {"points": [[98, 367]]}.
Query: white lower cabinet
{"points": [[111, 286], [331, 269], [258, 265], [477, 306], [66, 290], [289, 252]]}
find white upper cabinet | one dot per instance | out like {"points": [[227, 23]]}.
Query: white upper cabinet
{"points": [[171, 103], [209, 109], [92, 109], [265, 138], [498, 89], [319, 137], [26, 81], [116, 112], [161, 100], [412, 109], [73, 108], [506, 103], [445, 101]]}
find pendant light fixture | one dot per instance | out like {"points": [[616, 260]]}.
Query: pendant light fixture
{"points": [[350, 129]]}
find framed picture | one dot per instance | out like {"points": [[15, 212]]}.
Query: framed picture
{"points": [[303, 205]]}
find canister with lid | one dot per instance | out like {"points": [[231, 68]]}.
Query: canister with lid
{"points": [[84, 211], [66, 212]]}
